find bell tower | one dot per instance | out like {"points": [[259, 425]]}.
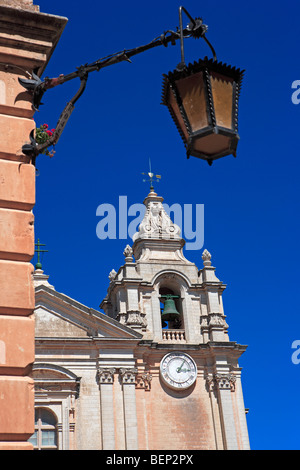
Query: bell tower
{"points": [[185, 348]]}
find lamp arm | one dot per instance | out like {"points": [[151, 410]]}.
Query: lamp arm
{"points": [[181, 32], [34, 149], [211, 47], [198, 30], [37, 87]]}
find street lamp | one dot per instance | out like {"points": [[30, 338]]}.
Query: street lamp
{"points": [[202, 97], [203, 101]]}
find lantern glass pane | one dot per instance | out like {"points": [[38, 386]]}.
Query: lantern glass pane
{"points": [[192, 93], [222, 91], [212, 144], [177, 114]]}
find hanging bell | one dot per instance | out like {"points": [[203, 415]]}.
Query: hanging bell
{"points": [[170, 312]]}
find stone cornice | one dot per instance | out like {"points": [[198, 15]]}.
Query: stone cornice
{"points": [[210, 349], [33, 24], [24, 31], [226, 345], [85, 343]]}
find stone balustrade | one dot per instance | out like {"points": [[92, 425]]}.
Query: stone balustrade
{"points": [[173, 335]]}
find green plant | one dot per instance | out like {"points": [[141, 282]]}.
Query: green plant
{"points": [[42, 135]]}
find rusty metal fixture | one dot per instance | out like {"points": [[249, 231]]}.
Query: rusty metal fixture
{"points": [[203, 101]]}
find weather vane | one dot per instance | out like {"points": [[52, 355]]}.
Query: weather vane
{"points": [[39, 251], [152, 176]]}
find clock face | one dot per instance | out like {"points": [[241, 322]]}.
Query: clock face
{"points": [[178, 370]]}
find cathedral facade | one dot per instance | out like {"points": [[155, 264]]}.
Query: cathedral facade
{"points": [[155, 371]]}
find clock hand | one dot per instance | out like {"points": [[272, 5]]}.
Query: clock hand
{"points": [[179, 368]]}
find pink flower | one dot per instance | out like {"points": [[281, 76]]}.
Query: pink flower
{"points": [[49, 133], [45, 126], [52, 130]]}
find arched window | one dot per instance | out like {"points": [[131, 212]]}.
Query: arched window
{"points": [[45, 430]]}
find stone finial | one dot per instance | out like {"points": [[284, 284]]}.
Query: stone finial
{"points": [[206, 256], [156, 223], [112, 275], [128, 253]]}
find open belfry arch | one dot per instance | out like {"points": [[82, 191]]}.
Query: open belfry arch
{"points": [[139, 379]]}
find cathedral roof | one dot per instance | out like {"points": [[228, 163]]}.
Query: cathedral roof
{"points": [[58, 315]]}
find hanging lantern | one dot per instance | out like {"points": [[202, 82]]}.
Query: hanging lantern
{"points": [[203, 101]]}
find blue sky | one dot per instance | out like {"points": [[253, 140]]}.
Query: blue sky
{"points": [[251, 203]]}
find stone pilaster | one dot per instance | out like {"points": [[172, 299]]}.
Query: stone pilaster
{"points": [[224, 384], [242, 414], [106, 380], [128, 379]]}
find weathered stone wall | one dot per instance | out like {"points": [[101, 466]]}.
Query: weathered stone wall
{"points": [[27, 39], [170, 419]]}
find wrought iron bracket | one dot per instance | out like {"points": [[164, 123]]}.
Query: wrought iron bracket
{"points": [[197, 29], [36, 87]]}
